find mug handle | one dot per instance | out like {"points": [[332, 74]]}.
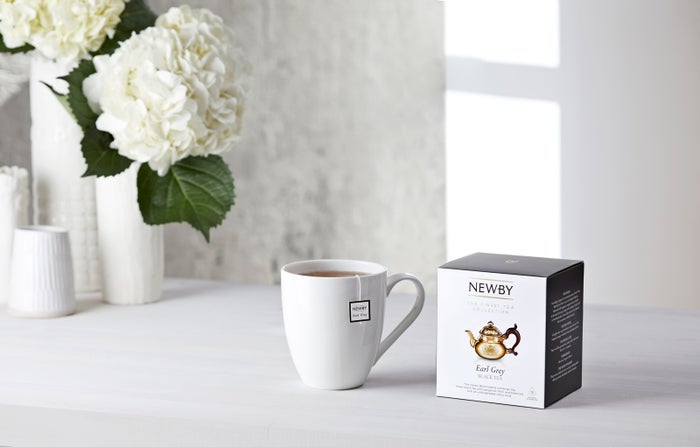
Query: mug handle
{"points": [[410, 318]]}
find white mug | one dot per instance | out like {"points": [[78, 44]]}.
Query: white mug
{"points": [[41, 281], [334, 324]]}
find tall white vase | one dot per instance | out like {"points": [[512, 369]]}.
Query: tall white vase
{"points": [[131, 251], [14, 207], [60, 196]]}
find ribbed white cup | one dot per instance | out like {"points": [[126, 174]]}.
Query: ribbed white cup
{"points": [[41, 281]]}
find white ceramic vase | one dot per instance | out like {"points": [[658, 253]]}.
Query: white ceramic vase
{"points": [[61, 197], [131, 251], [14, 212]]}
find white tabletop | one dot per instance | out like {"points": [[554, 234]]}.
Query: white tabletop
{"points": [[209, 366]]}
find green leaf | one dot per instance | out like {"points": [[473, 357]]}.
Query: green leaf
{"points": [[5, 49], [77, 100], [101, 160], [63, 99], [135, 17], [196, 190]]}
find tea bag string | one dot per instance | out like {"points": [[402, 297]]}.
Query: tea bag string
{"points": [[359, 288]]}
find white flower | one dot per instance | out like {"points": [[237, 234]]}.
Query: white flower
{"points": [[172, 91], [64, 30]]}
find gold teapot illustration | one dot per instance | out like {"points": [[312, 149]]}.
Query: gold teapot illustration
{"points": [[490, 343]]}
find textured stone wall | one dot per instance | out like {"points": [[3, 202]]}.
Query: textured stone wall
{"points": [[342, 154]]}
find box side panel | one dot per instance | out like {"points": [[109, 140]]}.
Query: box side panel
{"points": [[564, 353]]}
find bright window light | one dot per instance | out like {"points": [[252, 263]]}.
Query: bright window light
{"points": [[503, 181], [520, 32]]}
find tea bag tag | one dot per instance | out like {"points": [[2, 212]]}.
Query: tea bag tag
{"points": [[359, 309]]}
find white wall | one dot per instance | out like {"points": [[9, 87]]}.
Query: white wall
{"points": [[630, 104], [627, 86]]}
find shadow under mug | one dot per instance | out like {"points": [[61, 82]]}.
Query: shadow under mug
{"points": [[334, 324]]}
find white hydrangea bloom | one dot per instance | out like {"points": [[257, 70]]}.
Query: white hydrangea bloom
{"points": [[63, 30], [172, 91]]}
